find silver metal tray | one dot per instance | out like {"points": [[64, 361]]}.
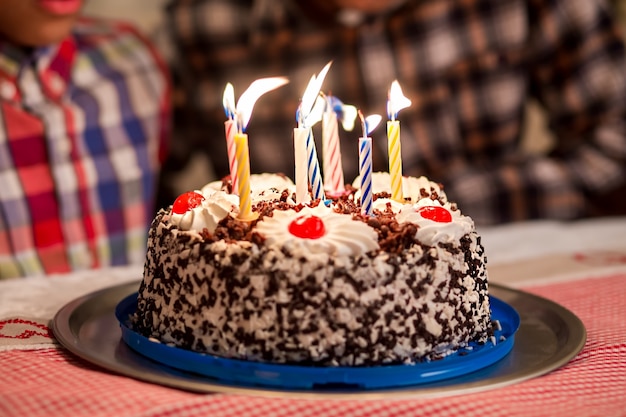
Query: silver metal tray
{"points": [[549, 336]]}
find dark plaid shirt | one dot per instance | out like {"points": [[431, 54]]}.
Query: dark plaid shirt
{"points": [[469, 67]]}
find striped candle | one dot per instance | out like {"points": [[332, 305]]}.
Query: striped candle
{"points": [[365, 172], [243, 175], [301, 176], [396, 102], [308, 114], [230, 127], [241, 114], [365, 161], [395, 159], [333, 171], [313, 167]]}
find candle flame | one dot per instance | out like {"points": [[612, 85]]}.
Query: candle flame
{"points": [[311, 95], [252, 94], [316, 112], [397, 101], [228, 101], [346, 113], [369, 123]]}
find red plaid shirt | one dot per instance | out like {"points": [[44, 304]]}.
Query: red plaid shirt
{"points": [[82, 131], [469, 67]]}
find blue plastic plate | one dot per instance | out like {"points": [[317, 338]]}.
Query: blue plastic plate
{"points": [[249, 373]]}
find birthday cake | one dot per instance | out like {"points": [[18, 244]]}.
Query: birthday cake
{"points": [[317, 283]]}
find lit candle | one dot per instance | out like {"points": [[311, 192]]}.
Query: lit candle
{"points": [[243, 112], [243, 172], [230, 128], [397, 101], [313, 167], [331, 149], [301, 175], [310, 112], [365, 161]]}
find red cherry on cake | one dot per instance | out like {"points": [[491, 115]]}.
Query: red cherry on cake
{"points": [[186, 202], [307, 227], [434, 213]]}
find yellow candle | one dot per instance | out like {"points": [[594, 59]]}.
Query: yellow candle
{"points": [[395, 159], [243, 177]]}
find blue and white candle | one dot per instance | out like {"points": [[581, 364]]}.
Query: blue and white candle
{"points": [[365, 161], [309, 113]]}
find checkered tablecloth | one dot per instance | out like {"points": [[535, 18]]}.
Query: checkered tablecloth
{"points": [[52, 382]]}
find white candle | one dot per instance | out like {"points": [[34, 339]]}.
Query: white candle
{"points": [[308, 114], [301, 176]]}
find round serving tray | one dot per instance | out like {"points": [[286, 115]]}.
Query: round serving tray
{"points": [[548, 337], [252, 373]]}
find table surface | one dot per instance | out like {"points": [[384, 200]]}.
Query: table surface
{"points": [[580, 265]]}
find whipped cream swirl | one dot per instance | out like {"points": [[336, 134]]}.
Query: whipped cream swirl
{"points": [[411, 187], [215, 207], [343, 235], [431, 232], [264, 187]]}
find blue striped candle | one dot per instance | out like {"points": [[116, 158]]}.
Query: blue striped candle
{"points": [[365, 161], [365, 171], [313, 164]]}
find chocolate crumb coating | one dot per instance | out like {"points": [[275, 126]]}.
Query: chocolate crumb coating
{"points": [[229, 294]]}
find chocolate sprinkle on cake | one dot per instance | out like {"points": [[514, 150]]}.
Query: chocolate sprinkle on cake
{"points": [[227, 292]]}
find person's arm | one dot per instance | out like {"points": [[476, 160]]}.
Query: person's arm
{"points": [[579, 75]]}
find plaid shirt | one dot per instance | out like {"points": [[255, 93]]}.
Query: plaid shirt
{"points": [[469, 67], [82, 129]]}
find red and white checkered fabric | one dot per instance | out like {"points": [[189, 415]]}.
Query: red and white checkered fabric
{"points": [[52, 382]]}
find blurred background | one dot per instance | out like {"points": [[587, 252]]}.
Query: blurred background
{"points": [[148, 16]]}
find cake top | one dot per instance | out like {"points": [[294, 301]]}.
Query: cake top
{"points": [[333, 226]]}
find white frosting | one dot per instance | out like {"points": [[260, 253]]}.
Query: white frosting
{"points": [[244, 320], [383, 204], [270, 194], [432, 232], [211, 187], [343, 235], [218, 204], [215, 207], [259, 185], [411, 186]]}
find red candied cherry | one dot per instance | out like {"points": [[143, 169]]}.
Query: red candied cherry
{"points": [[187, 201], [434, 213], [307, 227]]}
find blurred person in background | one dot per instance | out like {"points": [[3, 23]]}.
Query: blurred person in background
{"points": [[470, 69], [84, 118]]}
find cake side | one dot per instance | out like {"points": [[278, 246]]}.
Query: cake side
{"points": [[252, 300]]}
